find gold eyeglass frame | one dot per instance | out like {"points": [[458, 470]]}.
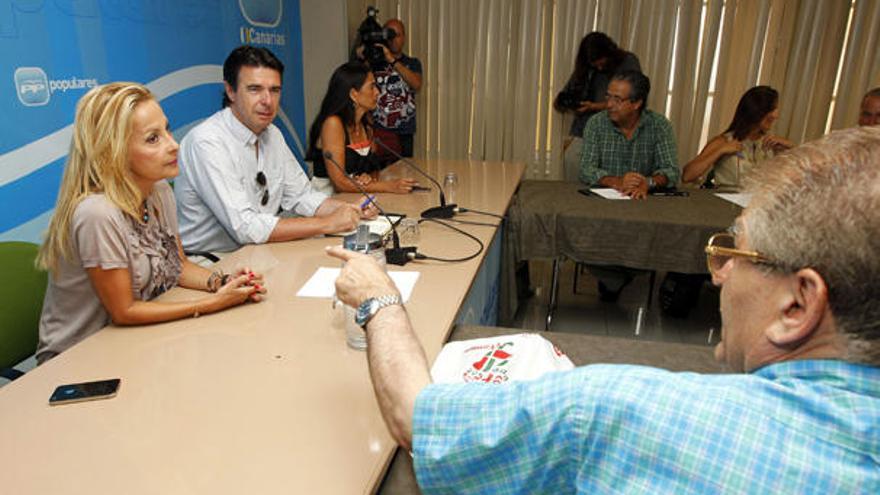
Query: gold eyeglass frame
{"points": [[751, 256]]}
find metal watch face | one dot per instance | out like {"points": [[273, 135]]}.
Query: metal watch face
{"points": [[366, 310]]}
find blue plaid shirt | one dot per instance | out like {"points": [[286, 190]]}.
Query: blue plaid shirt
{"points": [[793, 427]]}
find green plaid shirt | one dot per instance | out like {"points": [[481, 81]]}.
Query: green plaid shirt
{"points": [[607, 152]]}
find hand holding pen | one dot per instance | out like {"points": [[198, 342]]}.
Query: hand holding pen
{"points": [[368, 207]]}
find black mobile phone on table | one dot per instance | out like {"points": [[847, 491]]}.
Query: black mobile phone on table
{"points": [[420, 188], [81, 392], [587, 192], [669, 192]]}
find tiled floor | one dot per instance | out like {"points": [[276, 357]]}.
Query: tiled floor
{"points": [[585, 313]]}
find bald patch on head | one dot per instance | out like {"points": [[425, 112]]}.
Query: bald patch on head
{"points": [[397, 25]]}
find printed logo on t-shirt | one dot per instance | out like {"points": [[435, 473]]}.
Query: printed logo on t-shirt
{"points": [[493, 367], [396, 107]]}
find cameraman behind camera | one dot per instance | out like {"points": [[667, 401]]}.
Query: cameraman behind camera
{"points": [[398, 78], [370, 38]]}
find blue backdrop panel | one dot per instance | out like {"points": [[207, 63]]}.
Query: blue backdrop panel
{"points": [[53, 51]]}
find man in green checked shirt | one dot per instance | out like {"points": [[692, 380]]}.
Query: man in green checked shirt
{"points": [[629, 147], [799, 412]]}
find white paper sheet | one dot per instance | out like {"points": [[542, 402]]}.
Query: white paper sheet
{"points": [[322, 283], [608, 193], [739, 199]]}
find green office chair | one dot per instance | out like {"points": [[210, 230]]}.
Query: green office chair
{"points": [[22, 296]]}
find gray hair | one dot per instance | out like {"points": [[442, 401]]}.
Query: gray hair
{"points": [[639, 84], [818, 206]]}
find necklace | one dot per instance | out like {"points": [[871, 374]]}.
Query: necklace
{"points": [[146, 216], [356, 133]]}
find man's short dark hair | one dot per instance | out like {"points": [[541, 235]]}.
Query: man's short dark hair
{"points": [[640, 85], [872, 93], [251, 56]]}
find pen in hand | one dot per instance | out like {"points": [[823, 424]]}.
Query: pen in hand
{"points": [[368, 201]]}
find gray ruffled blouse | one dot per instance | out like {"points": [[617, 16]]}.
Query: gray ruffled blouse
{"points": [[103, 236]]}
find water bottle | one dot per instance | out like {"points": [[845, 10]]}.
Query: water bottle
{"points": [[450, 184], [362, 241]]}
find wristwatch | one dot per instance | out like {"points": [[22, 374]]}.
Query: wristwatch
{"points": [[368, 309], [651, 183]]}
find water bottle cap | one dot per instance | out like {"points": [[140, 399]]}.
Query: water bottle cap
{"points": [[369, 244]]}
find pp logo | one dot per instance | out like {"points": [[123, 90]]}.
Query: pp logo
{"points": [[263, 13], [32, 86]]}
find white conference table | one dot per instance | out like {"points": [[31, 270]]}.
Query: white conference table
{"points": [[262, 398]]}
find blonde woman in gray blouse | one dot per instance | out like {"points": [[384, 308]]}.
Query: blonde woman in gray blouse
{"points": [[113, 243]]}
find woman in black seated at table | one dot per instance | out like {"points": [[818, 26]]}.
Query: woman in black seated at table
{"points": [[343, 129], [113, 243]]}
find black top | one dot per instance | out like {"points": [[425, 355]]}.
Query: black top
{"points": [[355, 163], [593, 89]]}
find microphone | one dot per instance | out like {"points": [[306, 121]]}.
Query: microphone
{"points": [[396, 255], [442, 211]]}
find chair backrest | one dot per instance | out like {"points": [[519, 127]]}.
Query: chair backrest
{"points": [[22, 295]]}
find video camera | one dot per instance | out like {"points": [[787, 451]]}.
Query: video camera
{"points": [[370, 32], [569, 100]]}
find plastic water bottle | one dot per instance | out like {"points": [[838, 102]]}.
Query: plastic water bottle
{"points": [[450, 184], [362, 241]]}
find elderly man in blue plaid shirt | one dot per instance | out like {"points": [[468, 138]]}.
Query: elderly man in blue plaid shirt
{"points": [[800, 285]]}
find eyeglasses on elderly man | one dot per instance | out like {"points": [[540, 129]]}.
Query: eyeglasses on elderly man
{"points": [[721, 248]]}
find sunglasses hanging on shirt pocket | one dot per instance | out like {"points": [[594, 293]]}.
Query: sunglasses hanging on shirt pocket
{"points": [[261, 181]]}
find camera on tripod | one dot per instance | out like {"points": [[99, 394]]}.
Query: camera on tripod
{"points": [[371, 33]]}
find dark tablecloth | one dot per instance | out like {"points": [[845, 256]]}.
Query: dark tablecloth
{"points": [[551, 219], [659, 233]]}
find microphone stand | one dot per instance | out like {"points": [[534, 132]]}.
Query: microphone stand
{"points": [[396, 255], [442, 211]]}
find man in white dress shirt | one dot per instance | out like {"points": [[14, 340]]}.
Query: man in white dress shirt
{"points": [[237, 173]]}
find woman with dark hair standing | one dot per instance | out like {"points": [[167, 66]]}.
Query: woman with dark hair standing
{"points": [[598, 59], [746, 142], [343, 129]]}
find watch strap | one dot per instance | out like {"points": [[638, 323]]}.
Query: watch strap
{"points": [[376, 304]]}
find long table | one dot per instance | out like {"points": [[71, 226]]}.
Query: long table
{"points": [[552, 220], [262, 398]]}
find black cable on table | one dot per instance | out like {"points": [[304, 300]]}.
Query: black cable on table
{"points": [[470, 210], [420, 256], [470, 222]]}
